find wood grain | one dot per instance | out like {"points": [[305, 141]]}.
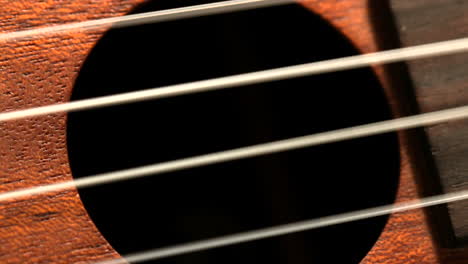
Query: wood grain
{"points": [[52, 228], [407, 237], [441, 83], [55, 228]]}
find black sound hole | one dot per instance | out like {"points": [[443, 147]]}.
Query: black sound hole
{"points": [[237, 196]]}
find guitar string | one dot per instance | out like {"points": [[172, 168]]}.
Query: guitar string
{"points": [[296, 227], [290, 228], [421, 51], [248, 152], [320, 67], [316, 139], [148, 17]]}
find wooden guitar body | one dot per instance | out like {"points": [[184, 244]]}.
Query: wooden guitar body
{"points": [[56, 228]]}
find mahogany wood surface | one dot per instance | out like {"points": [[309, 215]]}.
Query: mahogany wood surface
{"points": [[55, 227], [441, 83]]}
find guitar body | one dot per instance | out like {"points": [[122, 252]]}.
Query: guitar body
{"points": [[56, 227]]}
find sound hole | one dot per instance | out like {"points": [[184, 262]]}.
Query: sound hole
{"points": [[211, 201]]}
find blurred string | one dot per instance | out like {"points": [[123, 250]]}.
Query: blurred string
{"points": [[333, 65], [286, 229], [415, 52], [147, 18], [248, 152]]}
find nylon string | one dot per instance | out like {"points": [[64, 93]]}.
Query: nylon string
{"points": [[287, 229], [421, 51], [333, 65], [146, 18], [248, 152]]}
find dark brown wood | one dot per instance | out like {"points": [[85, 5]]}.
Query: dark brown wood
{"points": [[441, 83], [55, 228]]}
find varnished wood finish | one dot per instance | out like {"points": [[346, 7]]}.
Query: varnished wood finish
{"points": [[406, 238], [441, 83], [55, 228], [51, 228]]}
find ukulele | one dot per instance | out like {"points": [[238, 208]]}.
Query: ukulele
{"points": [[117, 221]]}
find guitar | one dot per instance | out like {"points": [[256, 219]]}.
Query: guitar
{"points": [[107, 222]]}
